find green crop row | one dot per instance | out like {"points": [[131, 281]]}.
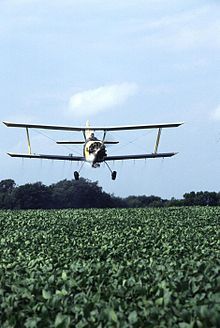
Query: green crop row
{"points": [[110, 268]]}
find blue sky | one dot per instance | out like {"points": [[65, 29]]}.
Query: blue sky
{"points": [[114, 62]]}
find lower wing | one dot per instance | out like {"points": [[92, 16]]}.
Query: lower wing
{"points": [[82, 159], [142, 156], [45, 156]]}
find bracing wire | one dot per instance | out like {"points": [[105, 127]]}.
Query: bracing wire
{"points": [[67, 147], [133, 140]]}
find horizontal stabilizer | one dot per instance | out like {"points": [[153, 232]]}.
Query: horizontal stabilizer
{"points": [[63, 142], [142, 156], [111, 142], [45, 156]]}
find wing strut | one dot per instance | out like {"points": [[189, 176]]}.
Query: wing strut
{"points": [[29, 142], [104, 135], [157, 140]]}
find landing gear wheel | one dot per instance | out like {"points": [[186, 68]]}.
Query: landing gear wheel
{"points": [[76, 175], [114, 174]]}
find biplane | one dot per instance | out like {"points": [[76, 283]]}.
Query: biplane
{"points": [[94, 149]]}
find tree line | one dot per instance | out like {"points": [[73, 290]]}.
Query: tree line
{"points": [[86, 194]]}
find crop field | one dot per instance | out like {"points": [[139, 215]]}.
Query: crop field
{"points": [[110, 268]]}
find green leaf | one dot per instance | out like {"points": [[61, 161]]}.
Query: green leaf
{"points": [[46, 294], [186, 325], [51, 279], [133, 317], [32, 322], [62, 320], [62, 292], [112, 315], [159, 301], [64, 275], [59, 319]]}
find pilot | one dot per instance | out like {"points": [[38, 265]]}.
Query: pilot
{"points": [[92, 137]]}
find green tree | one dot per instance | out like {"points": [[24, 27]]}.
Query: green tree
{"points": [[7, 188], [144, 201], [32, 196], [79, 194]]}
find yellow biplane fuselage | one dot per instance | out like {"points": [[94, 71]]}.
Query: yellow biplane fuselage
{"points": [[94, 152]]}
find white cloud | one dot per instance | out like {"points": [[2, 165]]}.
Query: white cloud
{"points": [[216, 114], [96, 100], [185, 29]]}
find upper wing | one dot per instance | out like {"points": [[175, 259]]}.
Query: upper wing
{"points": [[41, 126], [138, 127], [142, 156], [45, 156], [95, 128]]}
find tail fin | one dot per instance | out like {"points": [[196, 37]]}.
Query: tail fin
{"points": [[88, 131]]}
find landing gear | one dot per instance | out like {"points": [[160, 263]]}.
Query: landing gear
{"points": [[76, 175], [114, 174]]}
